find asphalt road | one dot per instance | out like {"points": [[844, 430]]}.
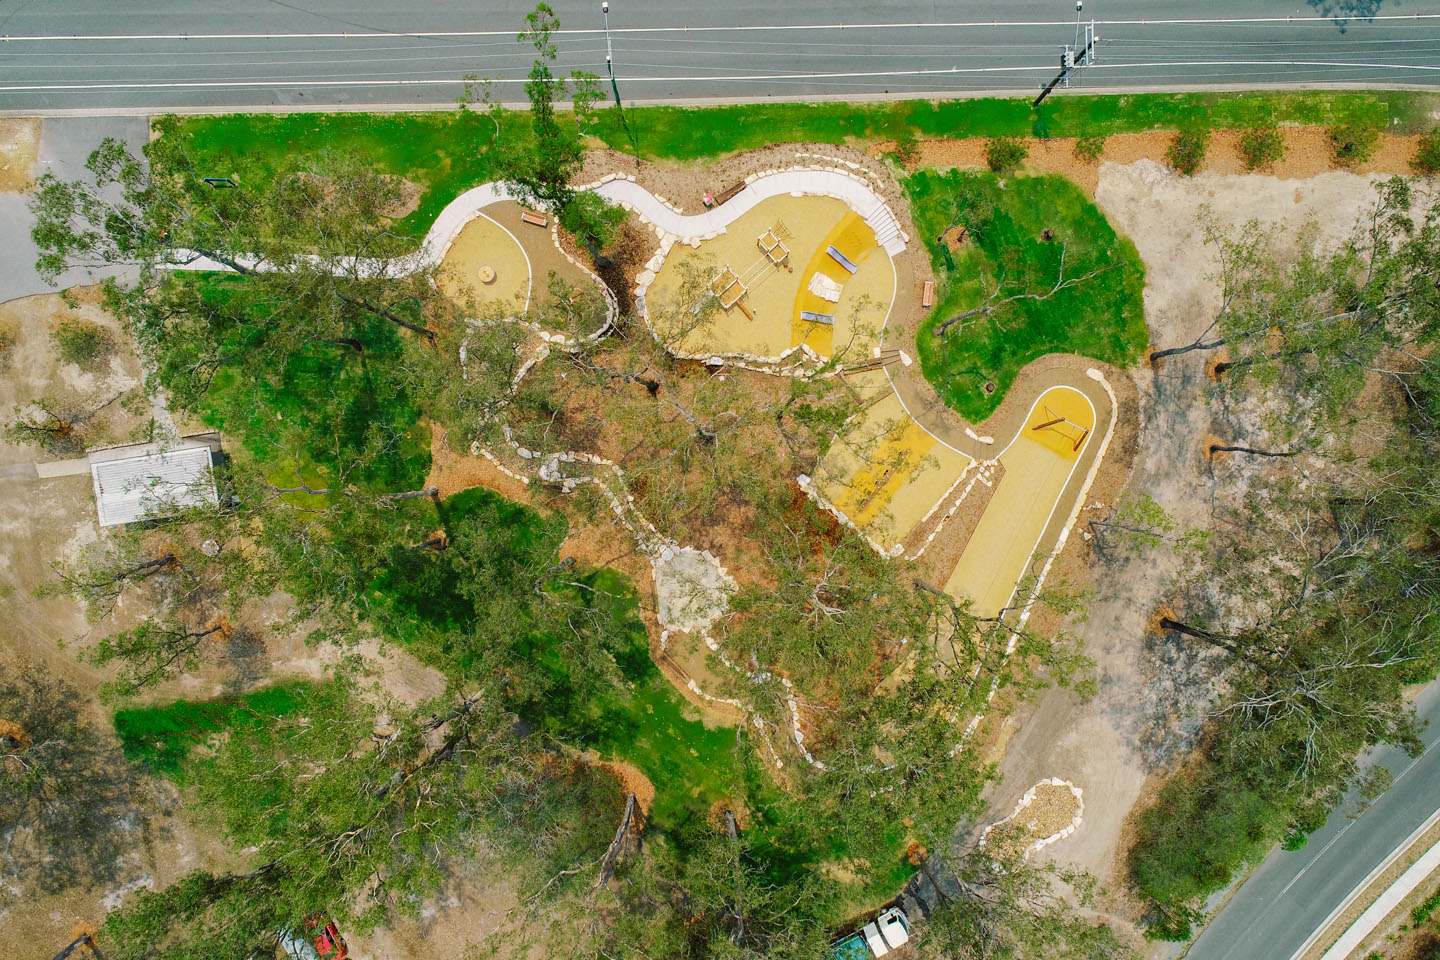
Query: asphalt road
{"points": [[172, 54], [1292, 893]]}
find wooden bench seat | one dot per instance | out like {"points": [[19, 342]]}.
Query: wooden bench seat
{"points": [[530, 216], [927, 294]]}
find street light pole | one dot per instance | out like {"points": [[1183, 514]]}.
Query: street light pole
{"points": [[615, 87], [1072, 57], [610, 52]]}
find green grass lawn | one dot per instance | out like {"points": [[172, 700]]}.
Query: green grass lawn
{"points": [[446, 153], [160, 738], [1101, 317], [691, 133]]}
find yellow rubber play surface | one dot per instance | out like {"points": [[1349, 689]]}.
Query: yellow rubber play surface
{"points": [[1037, 467], [884, 471], [872, 284], [484, 243], [773, 294]]}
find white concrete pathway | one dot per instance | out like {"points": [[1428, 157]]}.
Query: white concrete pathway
{"points": [[464, 208]]}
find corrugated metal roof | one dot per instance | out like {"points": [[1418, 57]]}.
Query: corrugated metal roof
{"points": [[152, 483]]}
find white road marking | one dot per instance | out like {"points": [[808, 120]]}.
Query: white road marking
{"points": [[726, 78], [939, 24]]}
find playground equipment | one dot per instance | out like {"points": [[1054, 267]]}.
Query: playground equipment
{"points": [[776, 251], [1065, 428], [841, 259], [730, 287]]}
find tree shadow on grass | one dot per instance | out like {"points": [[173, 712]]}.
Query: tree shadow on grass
{"points": [[69, 802], [1344, 11]]}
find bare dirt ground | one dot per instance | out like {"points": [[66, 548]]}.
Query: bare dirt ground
{"points": [[684, 186], [1146, 714], [31, 369], [1307, 154], [154, 839], [19, 146]]}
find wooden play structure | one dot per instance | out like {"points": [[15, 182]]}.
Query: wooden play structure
{"points": [[773, 248], [1057, 422], [730, 288]]}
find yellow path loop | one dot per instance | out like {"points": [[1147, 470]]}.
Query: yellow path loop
{"points": [[1037, 467]]}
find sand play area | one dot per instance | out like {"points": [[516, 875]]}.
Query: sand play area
{"points": [[487, 267], [777, 283]]}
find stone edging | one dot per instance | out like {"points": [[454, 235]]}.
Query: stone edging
{"points": [[1029, 798]]}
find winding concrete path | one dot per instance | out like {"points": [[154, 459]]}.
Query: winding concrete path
{"points": [[807, 181]]}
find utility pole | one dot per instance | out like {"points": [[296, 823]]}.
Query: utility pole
{"points": [[615, 87], [1072, 58], [610, 52]]}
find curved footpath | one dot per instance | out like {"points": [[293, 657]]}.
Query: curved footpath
{"points": [[844, 181]]}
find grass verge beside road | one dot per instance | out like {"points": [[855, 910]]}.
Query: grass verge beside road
{"points": [[446, 153]]}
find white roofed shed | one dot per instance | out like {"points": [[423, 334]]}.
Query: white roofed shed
{"points": [[150, 481]]}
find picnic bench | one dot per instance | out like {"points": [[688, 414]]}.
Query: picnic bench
{"points": [[729, 192], [529, 216]]}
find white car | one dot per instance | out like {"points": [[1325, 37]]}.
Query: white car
{"points": [[886, 932]]}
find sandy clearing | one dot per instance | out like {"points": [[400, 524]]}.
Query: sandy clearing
{"points": [[1142, 718], [19, 146]]}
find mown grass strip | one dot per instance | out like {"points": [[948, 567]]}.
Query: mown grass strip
{"points": [[446, 153]]}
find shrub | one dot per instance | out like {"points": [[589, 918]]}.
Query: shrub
{"points": [[1294, 840], [81, 343], [1003, 154], [9, 337], [1427, 155], [907, 148], [1187, 151], [1353, 142], [1261, 147], [1089, 149], [1426, 909]]}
